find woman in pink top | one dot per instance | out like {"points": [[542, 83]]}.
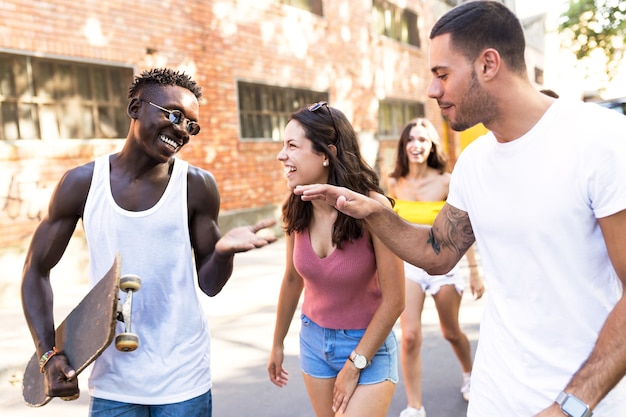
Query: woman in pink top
{"points": [[353, 285]]}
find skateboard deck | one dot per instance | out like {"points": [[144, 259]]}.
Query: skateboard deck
{"points": [[84, 334]]}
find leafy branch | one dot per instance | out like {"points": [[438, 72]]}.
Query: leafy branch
{"points": [[590, 25]]}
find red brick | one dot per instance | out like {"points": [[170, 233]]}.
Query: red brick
{"points": [[225, 41]]}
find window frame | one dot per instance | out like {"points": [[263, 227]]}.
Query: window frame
{"points": [[395, 22], [314, 6], [47, 98], [264, 109], [398, 113]]}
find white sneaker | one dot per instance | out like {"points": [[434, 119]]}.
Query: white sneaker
{"points": [[465, 388], [413, 412]]}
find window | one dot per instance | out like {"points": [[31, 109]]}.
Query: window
{"points": [[264, 109], [394, 115], [395, 22], [313, 6], [52, 99]]}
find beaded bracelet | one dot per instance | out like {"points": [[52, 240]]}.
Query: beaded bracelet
{"points": [[46, 357]]}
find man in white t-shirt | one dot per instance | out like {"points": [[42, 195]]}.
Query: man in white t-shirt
{"points": [[544, 196]]}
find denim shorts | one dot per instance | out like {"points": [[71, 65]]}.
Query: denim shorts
{"points": [[323, 353], [200, 406]]}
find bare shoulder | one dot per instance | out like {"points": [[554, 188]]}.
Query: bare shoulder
{"points": [[444, 178], [71, 192], [380, 198], [198, 177], [392, 186], [442, 183], [80, 175], [203, 193]]}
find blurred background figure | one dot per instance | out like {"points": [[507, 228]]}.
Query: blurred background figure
{"points": [[419, 184]]}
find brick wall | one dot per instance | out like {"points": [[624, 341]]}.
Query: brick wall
{"points": [[218, 43]]}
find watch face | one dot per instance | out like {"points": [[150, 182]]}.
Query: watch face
{"points": [[574, 407], [360, 362]]}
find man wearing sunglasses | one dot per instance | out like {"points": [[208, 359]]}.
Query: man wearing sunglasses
{"points": [[160, 214]]}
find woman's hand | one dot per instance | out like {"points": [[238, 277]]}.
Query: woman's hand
{"points": [[345, 384], [278, 375]]}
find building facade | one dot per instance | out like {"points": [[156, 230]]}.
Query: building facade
{"points": [[65, 68]]}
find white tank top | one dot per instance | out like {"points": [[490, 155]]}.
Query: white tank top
{"points": [[172, 362]]}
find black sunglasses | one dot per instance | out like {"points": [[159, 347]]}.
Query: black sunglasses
{"points": [[177, 117], [317, 106]]}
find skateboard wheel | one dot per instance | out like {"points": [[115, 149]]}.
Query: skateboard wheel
{"points": [[72, 398], [130, 282], [126, 342]]}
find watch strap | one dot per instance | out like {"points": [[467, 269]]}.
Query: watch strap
{"points": [[354, 356]]}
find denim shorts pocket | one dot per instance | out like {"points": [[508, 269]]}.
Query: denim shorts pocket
{"points": [[353, 334], [305, 320]]}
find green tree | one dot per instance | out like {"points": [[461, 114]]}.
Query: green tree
{"points": [[590, 25]]}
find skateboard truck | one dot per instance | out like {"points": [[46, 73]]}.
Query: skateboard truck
{"points": [[127, 341]]}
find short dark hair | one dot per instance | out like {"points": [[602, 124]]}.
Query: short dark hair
{"points": [[163, 77], [477, 25]]}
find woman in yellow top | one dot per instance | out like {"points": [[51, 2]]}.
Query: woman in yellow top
{"points": [[419, 184]]}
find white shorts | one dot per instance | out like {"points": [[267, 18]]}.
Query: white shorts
{"points": [[432, 283]]}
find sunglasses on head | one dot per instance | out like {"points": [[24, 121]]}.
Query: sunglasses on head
{"points": [[176, 117], [316, 106]]}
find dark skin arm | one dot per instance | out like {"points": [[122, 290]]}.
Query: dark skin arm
{"points": [[46, 249], [436, 249], [214, 258], [214, 253]]}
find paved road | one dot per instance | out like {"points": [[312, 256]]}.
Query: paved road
{"points": [[241, 319]]}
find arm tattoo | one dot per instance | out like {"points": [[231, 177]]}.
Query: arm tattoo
{"points": [[433, 241], [454, 232]]}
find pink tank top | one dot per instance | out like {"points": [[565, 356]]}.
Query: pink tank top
{"points": [[341, 291]]}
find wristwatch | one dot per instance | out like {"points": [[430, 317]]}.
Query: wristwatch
{"points": [[573, 406], [359, 361]]}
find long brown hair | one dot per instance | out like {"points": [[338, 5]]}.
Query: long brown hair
{"points": [[437, 158], [326, 126]]}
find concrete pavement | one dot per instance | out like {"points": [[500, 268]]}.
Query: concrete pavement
{"points": [[241, 319]]}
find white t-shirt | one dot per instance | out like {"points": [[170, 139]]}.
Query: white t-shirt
{"points": [[533, 205], [172, 362]]}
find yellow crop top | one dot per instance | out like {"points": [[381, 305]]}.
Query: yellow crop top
{"points": [[420, 212]]}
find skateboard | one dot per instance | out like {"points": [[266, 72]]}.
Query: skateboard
{"points": [[88, 330]]}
